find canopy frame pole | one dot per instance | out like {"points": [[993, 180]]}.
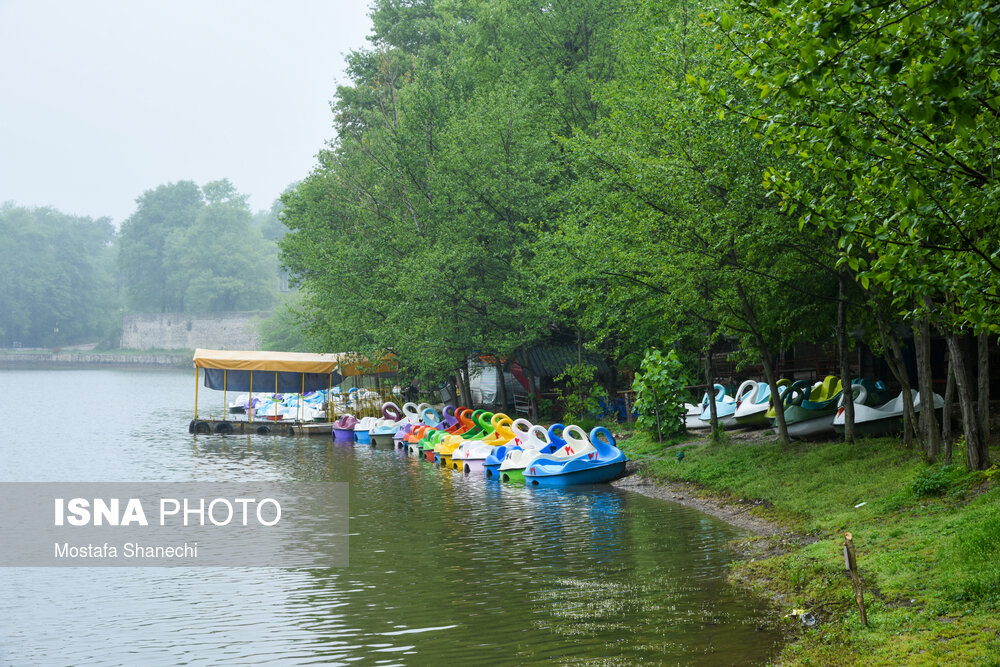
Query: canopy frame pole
{"points": [[225, 388], [329, 397], [275, 397], [302, 396], [196, 374], [250, 409]]}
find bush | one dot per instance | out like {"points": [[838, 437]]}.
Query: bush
{"points": [[938, 480], [659, 387]]}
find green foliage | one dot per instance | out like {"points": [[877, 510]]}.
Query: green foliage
{"points": [[659, 387], [929, 566], [414, 232], [58, 278], [191, 249], [283, 330], [976, 553], [939, 480], [580, 395], [892, 109]]}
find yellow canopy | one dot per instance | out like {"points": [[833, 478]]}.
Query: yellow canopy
{"points": [[352, 364], [244, 360]]}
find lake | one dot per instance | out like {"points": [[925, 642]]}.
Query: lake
{"points": [[444, 569]]}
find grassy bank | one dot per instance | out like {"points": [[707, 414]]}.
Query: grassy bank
{"points": [[928, 541]]}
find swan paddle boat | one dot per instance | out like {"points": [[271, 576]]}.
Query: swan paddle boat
{"points": [[605, 463], [362, 430], [474, 426], [725, 406], [382, 431], [879, 419], [515, 458], [522, 429], [471, 454], [753, 399], [343, 429]]}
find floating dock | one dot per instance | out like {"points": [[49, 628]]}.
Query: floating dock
{"points": [[243, 427]]}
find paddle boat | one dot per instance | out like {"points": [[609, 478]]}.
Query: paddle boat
{"points": [[474, 425], [471, 454], [565, 443], [411, 418], [725, 406], [810, 414], [692, 418], [522, 430], [362, 430], [435, 437], [604, 464], [382, 431], [343, 429], [536, 441], [753, 399], [879, 419]]}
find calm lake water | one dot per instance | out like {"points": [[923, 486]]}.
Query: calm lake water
{"points": [[444, 569]]}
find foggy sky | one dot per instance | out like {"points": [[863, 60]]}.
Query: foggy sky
{"points": [[101, 100]]}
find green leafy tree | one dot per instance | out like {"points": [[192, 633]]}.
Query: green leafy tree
{"points": [[58, 277], [660, 387], [142, 244], [892, 107]]}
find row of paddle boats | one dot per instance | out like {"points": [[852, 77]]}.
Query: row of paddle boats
{"points": [[492, 444], [810, 410]]}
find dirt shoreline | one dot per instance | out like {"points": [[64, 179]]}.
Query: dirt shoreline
{"points": [[690, 495]]}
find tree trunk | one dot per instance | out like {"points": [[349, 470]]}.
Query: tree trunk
{"points": [[530, 372], [842, 349], [949, 398], [894, 357], [976, 458], [983, 352], [710, 381], [468, 383], [765, 358], [928, 422], [503, 386]]}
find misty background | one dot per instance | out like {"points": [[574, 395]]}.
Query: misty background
{"points": [[141, 140]]}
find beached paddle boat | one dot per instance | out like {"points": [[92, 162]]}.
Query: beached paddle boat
{"points": [[753, 399], [725, 406], [692, 417], [809, 412], [343, 429], [529, 447], [879, 419], [604, 464]]}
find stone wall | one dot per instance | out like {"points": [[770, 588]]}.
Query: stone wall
{"points": [[188, 331]]}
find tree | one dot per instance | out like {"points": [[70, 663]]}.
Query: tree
{"points": [[58, 277], [893, 109], [191, 249], [411, 233], [143, 240]]}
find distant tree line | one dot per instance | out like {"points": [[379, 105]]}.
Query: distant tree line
{"points": [[68, 279], [639, 174]]}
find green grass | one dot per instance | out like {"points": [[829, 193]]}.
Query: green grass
{"points": [[928, 541]]}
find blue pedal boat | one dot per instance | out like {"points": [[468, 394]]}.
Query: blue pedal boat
{"points": [[604, 464]]}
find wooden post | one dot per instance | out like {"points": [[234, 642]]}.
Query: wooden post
{"points": [[628, 412], [851, 563]]}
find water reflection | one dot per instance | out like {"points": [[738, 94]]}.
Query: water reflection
{"points": [[442, 567]]}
